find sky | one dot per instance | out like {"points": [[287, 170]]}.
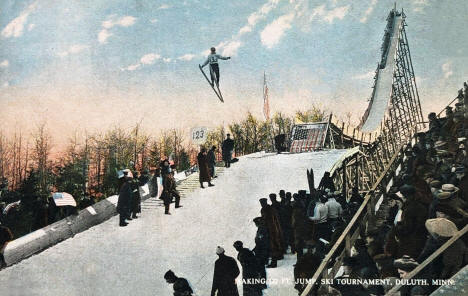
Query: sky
{"points": [[87, 66]]}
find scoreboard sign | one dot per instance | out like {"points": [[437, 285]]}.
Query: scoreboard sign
{"points": [[308, 137], [199, 135]]}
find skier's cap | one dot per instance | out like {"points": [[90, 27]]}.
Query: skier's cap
{"points": [[219, 250]]}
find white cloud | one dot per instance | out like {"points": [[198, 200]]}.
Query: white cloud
{"points": [[447, 69], [274, 31], [258, 15], [74, 49], [126, 21], [150, 58], [132, 67], [31, 26], [153, 21], [366, 76], [322, 14], [230, 49], [368, 11], [4, 64], [165, 6], [103, 35], [16, 26], [186, 57], [112, 21], [147, 59], [336, 13], [6, 84]]}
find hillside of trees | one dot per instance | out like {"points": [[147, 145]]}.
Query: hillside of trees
{"points": [[87, 168]]}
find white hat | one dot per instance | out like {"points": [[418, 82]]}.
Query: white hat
{"points": [[219, 250], [441, 226], [120, 174]]}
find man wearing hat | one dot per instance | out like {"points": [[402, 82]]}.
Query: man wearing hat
{"points": [[125, 197], [227, 148], [250, 271], [270, 216], [454, 206], [405, 265], [225, 273], [262, 243], [181, 286], [441, 230]]}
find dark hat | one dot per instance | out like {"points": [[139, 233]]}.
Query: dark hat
{"points": [[238, 244], [263, 200], [272, 195], [349, 261], [360, 243], [405, 263], [169, 274], [407, 189], [258, 220]]}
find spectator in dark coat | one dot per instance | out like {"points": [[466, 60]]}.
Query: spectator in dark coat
{"points": [[135, 184], [271, 218], [211, 156], [181, 286], [153, 184], [251, 284], [125, 198], [225, 273], [5, 237], [327, 183], [286, 219], [204, 171], [227, 148], [298, 223], [262, 245], [170, 192]]}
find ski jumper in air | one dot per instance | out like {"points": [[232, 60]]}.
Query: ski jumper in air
{"points": [[214, 67], [214, 71]]}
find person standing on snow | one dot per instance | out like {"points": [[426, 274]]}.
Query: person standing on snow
{"points": [[212, 59], [225, 273]]}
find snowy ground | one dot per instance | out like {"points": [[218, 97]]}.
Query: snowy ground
{"points": [[110, 260]]}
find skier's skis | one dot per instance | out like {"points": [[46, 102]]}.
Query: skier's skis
{"points": [[209, 82]]}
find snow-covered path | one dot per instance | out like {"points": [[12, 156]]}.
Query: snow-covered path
{"points": [[111, 260]]}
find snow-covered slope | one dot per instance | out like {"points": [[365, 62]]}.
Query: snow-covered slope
{"points": [[110, 260]]}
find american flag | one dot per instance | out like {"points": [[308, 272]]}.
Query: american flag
{"points": [[63, 199], [266, 103], [308, 137]]}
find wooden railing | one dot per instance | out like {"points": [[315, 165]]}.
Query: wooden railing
{"points": [[431, 258], [383, 158]]}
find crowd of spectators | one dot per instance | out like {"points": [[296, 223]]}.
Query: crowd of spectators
{"points": [[428, 205]]}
